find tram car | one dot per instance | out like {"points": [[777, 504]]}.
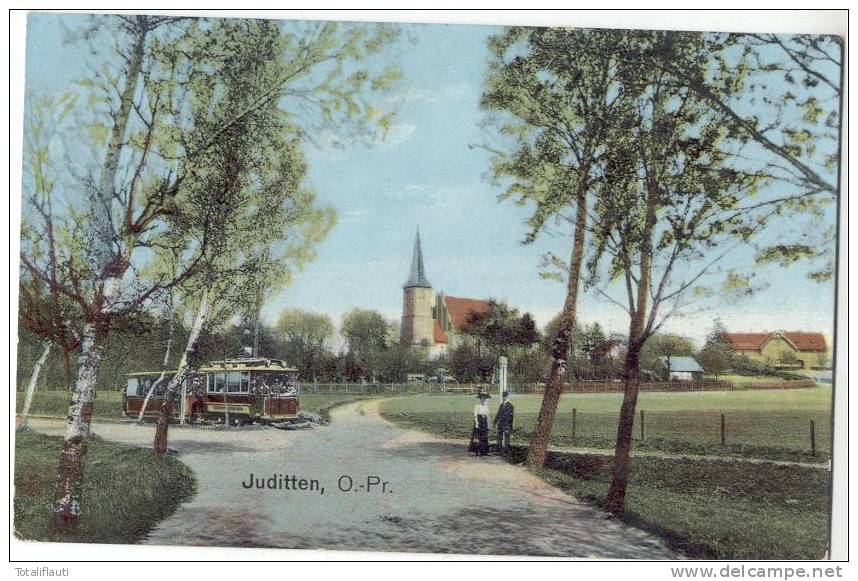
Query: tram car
{"points": [[245, 390]]}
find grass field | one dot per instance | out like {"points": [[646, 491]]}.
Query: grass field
{"points": [[127, 490], [711, 509], [722, 509], [767, 424], [322, 404], [744, 380], [108, 404]]}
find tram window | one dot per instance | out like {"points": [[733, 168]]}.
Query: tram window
{"points": [[131, 390], [245, 381], [234, 381], [219, 382]]}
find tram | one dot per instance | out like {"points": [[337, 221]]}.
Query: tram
{"points": [[245, 390]]}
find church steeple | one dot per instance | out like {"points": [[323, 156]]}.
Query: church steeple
{"points": [[417, 276]]}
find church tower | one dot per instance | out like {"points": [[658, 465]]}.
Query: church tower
{"points": [[417, 299]]}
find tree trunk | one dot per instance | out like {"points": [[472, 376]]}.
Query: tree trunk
{"points": [[625, 426], [164, 365], [638, 333], [183, 408], [34, 379], [109, 266], [182, 372], [538, 449], [67, 497]]}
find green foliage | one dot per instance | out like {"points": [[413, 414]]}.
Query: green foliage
{"points": [[594, 336], [467, 365], [365, 333], [530, 366], [716, 357], [744, 365], [551, 96], [779, 95], [396, 361], [241, 190], [788, 358], [197, 127], [664, 345], [304, 335], [501, 328]]}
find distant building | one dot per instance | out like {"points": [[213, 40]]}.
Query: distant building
{"points": [[682, 368], [606, 351], [433, 320], [808, 350]]}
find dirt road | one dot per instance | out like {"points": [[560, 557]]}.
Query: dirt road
{"points": [[438, 498]]}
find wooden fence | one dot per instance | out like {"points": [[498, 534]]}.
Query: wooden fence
{"points": [[786, 384], [573, 387], [617, 386], [669, 386]]}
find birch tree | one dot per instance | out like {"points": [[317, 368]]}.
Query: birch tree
{"points": [[42, 311], [168, 351], [137, 118]]}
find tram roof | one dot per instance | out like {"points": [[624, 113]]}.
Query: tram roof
{"points": [[244, 364]]}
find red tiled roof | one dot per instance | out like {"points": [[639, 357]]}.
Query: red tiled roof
{"points": [[806, 341], [755, 341], [460, 308], [746, 341], [440, 335]]}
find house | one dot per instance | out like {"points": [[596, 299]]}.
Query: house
{"points": [[431, 320], [781, 348], [605, 351], [682, 368]]}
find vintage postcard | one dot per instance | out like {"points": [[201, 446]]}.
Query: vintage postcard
{"points": [[451, 289]]}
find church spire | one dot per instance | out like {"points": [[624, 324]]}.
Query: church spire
{"points": [[417, 276]]}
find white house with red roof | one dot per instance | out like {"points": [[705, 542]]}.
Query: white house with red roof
{"points": [[433, 320]]}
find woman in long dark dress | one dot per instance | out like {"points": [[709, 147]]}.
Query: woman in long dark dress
{"points": [[481, 424]]}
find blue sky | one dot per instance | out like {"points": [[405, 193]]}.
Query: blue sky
{"points": [[426, 175]]}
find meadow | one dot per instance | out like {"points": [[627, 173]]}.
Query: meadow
{"points": [[766, 424], [711, 509], [714, 508], [127, 490], [108, 404]]}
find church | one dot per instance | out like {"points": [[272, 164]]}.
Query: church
{"points": [[429, 319]]}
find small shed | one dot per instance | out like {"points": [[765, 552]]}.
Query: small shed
{"points": [[682, 368]]}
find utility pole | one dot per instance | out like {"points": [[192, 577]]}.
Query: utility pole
{"points": [[502, 375], [256, 338]]}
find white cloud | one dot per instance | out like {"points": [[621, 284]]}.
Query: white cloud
{"points": [[441, 94], [398, 134]]}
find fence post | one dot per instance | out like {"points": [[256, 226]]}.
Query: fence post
{"points": [[812, 438], [574, 423], [723, 431], [643, 426]]}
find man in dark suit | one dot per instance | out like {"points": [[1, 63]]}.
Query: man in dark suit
{"points": [[503, 421]]}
